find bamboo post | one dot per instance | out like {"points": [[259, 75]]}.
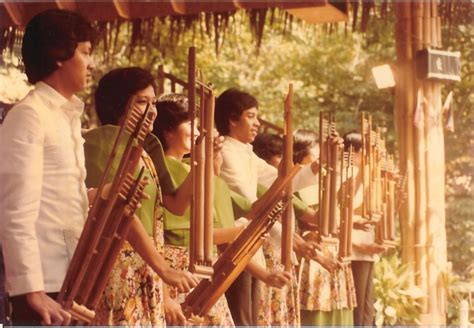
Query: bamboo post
{"points": [[288, 219], [423, 147]]}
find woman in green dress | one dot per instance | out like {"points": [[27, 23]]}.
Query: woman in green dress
{"points": [[134, 292], [173, 128], [327, 296]]}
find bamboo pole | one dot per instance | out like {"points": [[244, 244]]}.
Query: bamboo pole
{"points": [[209, 179], [288, 224]]}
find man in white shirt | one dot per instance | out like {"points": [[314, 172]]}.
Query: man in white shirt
{"points": [[236, 119], [43, 198]]}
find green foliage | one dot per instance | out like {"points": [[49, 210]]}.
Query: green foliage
{"points": [[458, 290], [460, 229], [396, 300]]}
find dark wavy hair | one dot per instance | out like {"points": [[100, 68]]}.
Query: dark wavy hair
{"points": [[116, 88], [172, 111], [229, 106], [353, 139], [52, 36], [303, 141], [267, 145]]}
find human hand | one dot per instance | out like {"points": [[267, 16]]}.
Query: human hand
{"points": [[51, 312], [277, 279], [329, 263], [173, 313], [375, 248], [363, 225], [307, 249], [184, 281]]}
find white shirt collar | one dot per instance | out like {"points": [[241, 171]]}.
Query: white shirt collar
{"points": [[73, 106]]}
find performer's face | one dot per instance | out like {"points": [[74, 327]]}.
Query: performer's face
{"points": [[313, 154], [180, 139], [246, 128], [77, 69], [146, 97]]}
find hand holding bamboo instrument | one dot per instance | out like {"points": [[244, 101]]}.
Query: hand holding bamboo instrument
{"points": [[201, 111], [108, 220], [235, 258]]}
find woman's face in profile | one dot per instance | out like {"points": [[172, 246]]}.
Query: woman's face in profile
{"points": [[144, 98]]}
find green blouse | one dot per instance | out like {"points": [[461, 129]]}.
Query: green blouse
{"points": [[97, 148], [177, 227]]}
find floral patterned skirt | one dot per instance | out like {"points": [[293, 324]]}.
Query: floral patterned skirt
{"points": [[278, 307], [323, 291], [219, 315], [134, 294]]}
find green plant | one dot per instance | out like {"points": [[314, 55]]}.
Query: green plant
{"points": [[396, 299], [460, 287]]}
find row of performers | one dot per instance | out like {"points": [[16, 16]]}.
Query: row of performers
{"points": [[50, 173]]}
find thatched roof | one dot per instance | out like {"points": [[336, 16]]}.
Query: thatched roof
{"points": [[179, 16]]}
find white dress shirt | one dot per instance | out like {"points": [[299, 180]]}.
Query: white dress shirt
{"points": [[43, 198], [243, 170]]}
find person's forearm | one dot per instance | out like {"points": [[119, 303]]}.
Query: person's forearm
{"points": [[180, 200], [256, 270], [143, 245], [226, 235]]}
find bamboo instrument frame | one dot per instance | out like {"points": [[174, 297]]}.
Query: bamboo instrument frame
{"points": [[378, 183], [201, 102], [108, 221], [235, 258]]}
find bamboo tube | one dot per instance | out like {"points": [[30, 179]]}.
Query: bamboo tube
{"points": [[209, 181], [370, 159], [288, 219], [363, 165], [343, 207], [195, 201], [350, 197], [333, 161], [161, 80], [324, 186]]}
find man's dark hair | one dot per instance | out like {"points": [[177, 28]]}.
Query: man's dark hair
{"points": [[115, 90], [353, 139], [172, 111], [52, 36], [229, 106], [267, 145], [303, 141]]}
